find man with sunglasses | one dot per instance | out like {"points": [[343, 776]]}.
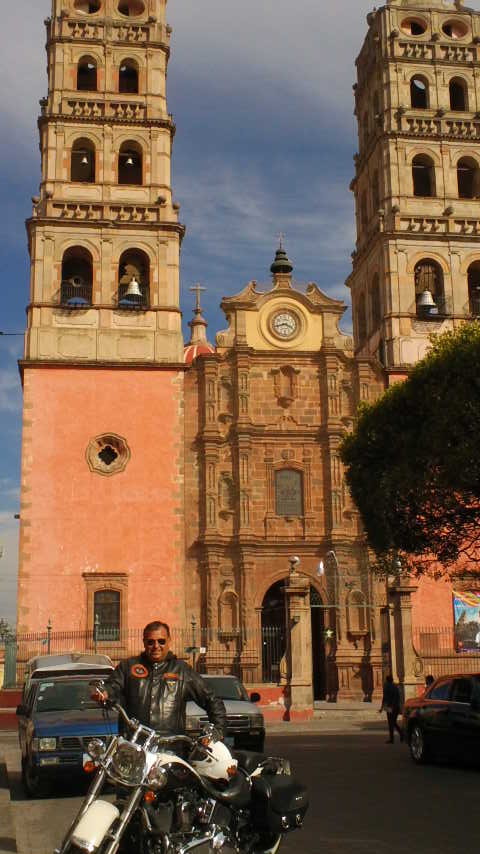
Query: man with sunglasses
{"points": [[154, 687]]}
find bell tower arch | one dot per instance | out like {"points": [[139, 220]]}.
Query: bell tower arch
{"points": [[103, 345], [417, 178]]}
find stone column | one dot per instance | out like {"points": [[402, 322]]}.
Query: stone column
{"points": [[403, 653], [299, 691]]}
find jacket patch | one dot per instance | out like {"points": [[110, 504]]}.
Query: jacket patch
{"points": [[139, 671], [171, 676]]}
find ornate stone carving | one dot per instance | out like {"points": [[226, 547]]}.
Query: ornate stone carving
{"points": [[108, 454]]}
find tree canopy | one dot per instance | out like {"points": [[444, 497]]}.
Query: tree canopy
{"points": [[413, 460]]}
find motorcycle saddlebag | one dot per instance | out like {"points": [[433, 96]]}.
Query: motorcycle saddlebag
{"points": [[279, 803]]}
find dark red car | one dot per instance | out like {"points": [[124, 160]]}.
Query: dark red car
{"points": [[445, 721]]}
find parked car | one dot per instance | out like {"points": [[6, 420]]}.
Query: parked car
{"points": [[445, 721], [245, 724], [56, 720]]}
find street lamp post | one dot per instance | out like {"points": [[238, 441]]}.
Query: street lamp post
{"points": [[96, 626], [49, 635]]}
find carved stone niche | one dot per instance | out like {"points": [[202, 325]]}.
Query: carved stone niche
{"points": [[108, 454], [285, 384], [228, 611], [357, 616], [226, 495]]}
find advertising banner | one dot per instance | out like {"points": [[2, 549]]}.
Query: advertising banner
{"points": [[466, 609]]}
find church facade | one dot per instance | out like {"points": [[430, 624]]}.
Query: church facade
{"points": [[172, 481]]}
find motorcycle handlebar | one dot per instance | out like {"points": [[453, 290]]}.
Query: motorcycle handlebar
{"points": [[132, 723]]}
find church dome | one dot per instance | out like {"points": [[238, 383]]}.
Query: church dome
{"points": [[191, 351]]}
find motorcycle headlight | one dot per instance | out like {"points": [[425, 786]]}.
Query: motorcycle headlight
{"points": [[47, 743], [128, 763], [157, 777], [256, 721], [96, 748]]}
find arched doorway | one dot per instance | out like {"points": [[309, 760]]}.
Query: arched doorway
{"points": [[274, 637]]}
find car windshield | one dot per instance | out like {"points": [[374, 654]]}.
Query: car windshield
{"points": [[64, 696], [227, 689]]}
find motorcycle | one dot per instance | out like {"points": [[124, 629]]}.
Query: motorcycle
{"points": [[182, 795]]}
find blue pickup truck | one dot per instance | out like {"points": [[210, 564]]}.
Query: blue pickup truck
{"points": [[57, 718]]}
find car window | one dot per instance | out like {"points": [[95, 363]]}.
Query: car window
{"points": [[441, 691], [227, 689], [462, 690], [64, 696]]}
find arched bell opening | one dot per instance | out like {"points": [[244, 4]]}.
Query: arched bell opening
{"points": [[134, 280], [128, 77], [429, 292], [87, 74], [130, 164], [77, 278], [474, 288], [82, 168]]}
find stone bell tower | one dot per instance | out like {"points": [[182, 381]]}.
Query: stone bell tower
{"points": [[101, 513], [416, 266]]}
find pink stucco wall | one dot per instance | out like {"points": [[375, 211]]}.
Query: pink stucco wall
{"points": [[432, 604], [74, 521]]}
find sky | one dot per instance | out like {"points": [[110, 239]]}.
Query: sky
{"points": [[261, 93]]}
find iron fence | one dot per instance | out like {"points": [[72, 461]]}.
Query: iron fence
{"points": [[254, 654], [441, 651]]}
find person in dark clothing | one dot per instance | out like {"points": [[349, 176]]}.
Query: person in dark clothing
{"points": [[154, 687], [429, 680], [391, 705]]}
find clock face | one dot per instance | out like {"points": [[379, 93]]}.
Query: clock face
{"points": [[285, 324]]}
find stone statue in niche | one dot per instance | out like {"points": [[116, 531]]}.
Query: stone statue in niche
{"points": [[285, 384], [228, 610], [225, 400], [226, 495]]}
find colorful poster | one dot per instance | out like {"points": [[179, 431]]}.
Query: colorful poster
{"points": [[466, 609]]}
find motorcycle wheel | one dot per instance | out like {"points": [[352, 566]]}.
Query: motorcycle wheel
{"points": [[268, 844], [33, 785]]}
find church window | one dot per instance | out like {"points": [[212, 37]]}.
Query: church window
{"points": [[376, 301], [108, 454], [77, 278], [429, 277], [474, 288], [289, 492], [423, 175], [106, 606], [455, 29], [87, 75], [468, 178], [418, 93], [128, 77], [134, 279], [82, 168], [87, 7], [414, 26], [130, 164], [458, 94], [131, 8], [362, 319]]}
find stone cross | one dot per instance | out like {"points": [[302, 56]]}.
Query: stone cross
{"points": [[197, 289]]}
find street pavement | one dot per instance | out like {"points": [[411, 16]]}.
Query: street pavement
{"points": [[366, 797]]}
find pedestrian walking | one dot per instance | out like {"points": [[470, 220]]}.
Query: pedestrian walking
{"points": [[391, 705], [429, 680]]}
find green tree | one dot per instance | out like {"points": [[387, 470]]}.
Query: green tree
{"points": [[413, 460]]}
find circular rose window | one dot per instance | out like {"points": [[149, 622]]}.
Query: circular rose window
{"points": [[455, 29], [108, 454], [414, 26], [131, 8], [87, 7]]}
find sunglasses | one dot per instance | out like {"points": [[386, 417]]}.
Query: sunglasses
{"points": [[153, 641]]}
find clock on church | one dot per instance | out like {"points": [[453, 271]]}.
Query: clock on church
{"points": [[284, 324]]}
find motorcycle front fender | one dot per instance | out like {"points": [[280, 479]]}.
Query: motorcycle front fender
{"points": [[92, 827]]}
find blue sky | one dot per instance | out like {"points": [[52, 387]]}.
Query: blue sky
{"points": [[261, 93]]}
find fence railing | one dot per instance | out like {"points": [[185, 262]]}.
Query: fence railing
{"points": [[445, 650], [254, 654]]}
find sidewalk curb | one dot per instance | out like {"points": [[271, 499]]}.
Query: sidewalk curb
{"points": [[7, 828]]}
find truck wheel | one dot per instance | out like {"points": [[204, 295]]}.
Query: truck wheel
{"points": [[34, 786]]}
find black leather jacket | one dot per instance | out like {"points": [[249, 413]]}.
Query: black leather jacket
{"points": [[156, 694]]}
